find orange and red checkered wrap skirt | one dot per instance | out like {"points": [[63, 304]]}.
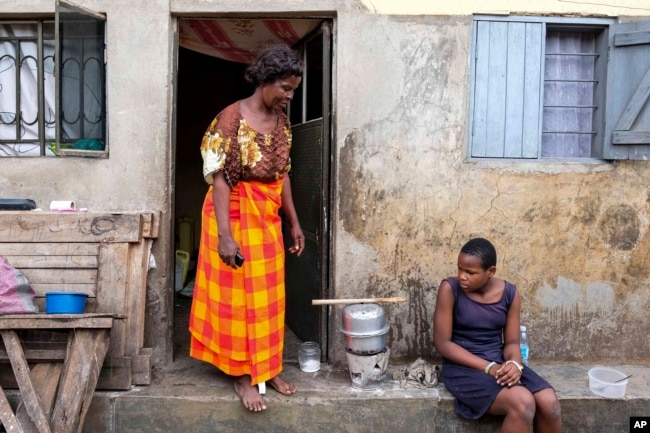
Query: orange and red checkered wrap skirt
{"points": [[237, 315]]}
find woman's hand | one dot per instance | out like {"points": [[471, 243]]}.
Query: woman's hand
{"points": [[227, 250], [508, 374], [298, 240], [291, 215]]}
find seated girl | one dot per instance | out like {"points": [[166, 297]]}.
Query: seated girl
{"points": [[476, 331]]}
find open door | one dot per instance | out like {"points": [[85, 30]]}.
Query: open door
{"points": [[213, 54], [308, 276]]}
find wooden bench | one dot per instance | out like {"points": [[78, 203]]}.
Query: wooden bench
{"points": [[55, 396], [105, 255]]}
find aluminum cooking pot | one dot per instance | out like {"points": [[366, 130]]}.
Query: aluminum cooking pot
{"points": [[365, 329]]}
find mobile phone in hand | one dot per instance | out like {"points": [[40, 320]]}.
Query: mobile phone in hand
{"points": [[239, 259]]}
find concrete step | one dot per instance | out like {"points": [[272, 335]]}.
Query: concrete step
{"points": [[193, 397]]}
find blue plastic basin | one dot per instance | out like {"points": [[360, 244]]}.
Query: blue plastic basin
{"points": [[65, 302]]}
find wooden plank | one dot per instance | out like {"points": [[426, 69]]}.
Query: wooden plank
{"points": [[147, 224], [631, 137], [45, 249], [151, 224], [38, 355], [136, 292], [69, 276], [481, 85], [116, 374], [111, 291], [86, 353], [45, 378], [55, 321], [27, 226], [117, 348], [7, 415], [532, 98], [357, 301], [497, 70], [515, 74], [52, 261], [141, 367], [111, 277], [634, 106], [33, 406], [40, 289], [632, 38], [155, 227]]}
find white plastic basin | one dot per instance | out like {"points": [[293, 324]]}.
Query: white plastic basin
{"points": [[603, 382]]}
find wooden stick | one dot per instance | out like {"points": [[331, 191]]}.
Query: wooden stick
{"points": [[356, 301]]}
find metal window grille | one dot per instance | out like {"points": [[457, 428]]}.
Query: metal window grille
{"points": [[30, 120], [570, 94], [26, 88]]}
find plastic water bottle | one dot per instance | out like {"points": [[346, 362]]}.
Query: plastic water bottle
{"points": [[523, 345]]}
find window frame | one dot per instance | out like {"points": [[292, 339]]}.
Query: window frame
{"points": [[601, 25], [63, 6], [40, 118], [49, 146]]}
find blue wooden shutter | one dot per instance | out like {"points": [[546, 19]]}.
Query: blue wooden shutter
{"points": [[627, 131], [506, 115]]}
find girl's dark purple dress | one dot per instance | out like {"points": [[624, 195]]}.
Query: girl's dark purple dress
{"points": [[478, 328]]}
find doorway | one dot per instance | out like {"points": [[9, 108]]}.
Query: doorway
{"points": [[210, 69]]}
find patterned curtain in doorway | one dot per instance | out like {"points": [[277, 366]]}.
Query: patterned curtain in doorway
{"points": [[238, 40]]}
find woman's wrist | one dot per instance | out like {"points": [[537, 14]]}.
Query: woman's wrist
{"points": [[488, 367], [519, 366]]}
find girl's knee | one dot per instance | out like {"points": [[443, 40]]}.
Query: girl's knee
{"points": [[549, 405], [552, 409], [524, 408]]}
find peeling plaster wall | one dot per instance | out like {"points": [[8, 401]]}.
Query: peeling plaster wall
{"points": [[572, 236]]}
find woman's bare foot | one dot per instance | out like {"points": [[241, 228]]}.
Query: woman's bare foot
{"points": [[248, 394], [282, 386]]}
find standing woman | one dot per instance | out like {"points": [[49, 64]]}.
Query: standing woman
{"points": [[237, 316]]}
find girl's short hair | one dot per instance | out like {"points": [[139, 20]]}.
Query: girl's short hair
{"points": [[272, 63], [483, 249]]}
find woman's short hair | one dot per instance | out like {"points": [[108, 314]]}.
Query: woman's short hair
{"points": [[272, 63], [483, 249]]}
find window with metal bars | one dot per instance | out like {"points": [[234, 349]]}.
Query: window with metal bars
{"points": [[27, 87], [570, 94], [50, 108], [559, 87]]}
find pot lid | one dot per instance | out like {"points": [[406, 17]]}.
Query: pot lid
{"points": [[363, 311]]}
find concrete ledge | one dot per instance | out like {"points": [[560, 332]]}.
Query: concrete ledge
{"points": [[194, 397]]}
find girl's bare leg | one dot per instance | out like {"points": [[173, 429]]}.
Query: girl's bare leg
{"points": [[517, 404], [548, 416]]}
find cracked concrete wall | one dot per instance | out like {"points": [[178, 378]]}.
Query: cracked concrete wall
{"points": [[572, 236]]}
